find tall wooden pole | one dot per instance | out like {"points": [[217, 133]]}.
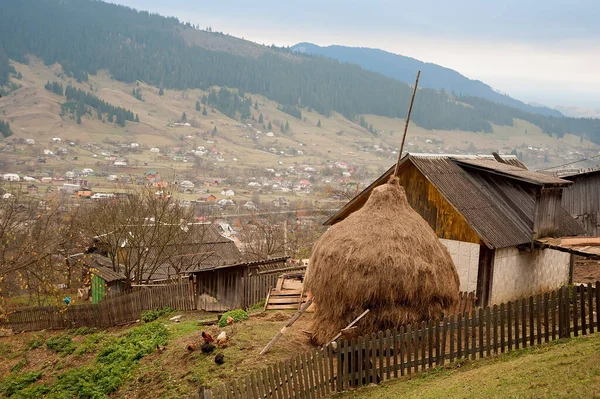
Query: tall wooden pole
{"points": [[412, 100]]}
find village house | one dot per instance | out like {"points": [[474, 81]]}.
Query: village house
{"points": [[83, 192], [228, 192], [490, 213], [207, 198], [32, 189]]}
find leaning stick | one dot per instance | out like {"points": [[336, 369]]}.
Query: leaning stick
{"points": [[289, 324], [412, 100], [363, 314]]}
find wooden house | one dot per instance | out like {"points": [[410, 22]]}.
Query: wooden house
{"points": [[490, 213], [582, 200]]}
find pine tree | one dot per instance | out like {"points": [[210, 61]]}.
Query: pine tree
{"points": [[79, 119], [287, 126], [183, 117], [161, 92], [256, 105], [137, 118], [214, 132], [260, 118], [319, 123], [110, 118], [270, 127], [204, 113], [197, 105]]}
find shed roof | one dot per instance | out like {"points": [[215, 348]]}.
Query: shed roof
{"points": [[102, 267], [493, 199], [511, 171]]}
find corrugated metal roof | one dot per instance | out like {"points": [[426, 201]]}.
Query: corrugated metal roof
{"points": [[498, 207], [512, 171]]}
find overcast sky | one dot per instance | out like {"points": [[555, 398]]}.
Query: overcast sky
{"points": [[543, 51]]}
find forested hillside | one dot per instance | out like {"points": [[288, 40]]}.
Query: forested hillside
{"points": [[85, 36], [433, 76]]}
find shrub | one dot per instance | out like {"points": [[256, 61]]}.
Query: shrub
{"points": [[17, 367], [35, 343], [237, 315], [113, 365], [151, 315], [61, 344], [84, 331], [16, 382]]}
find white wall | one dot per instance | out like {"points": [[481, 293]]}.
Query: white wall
{"points": [[520, 273], [466, 259]]}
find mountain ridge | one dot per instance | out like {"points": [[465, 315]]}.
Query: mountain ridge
{"points": [[434, 76]]}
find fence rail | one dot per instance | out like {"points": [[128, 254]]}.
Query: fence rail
{"points": [[387, 355], [122, 309]]}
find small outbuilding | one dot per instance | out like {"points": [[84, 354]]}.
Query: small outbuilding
{"points": [[105, 282]]}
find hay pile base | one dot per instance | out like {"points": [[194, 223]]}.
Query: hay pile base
{"points": [[383, 257]]}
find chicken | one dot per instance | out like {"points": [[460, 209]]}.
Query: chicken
{"points": [[207, 338], [207, 348], [222, 339], [220, 359]]}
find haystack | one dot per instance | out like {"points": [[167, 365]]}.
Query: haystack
{"points": [[383, 257]]}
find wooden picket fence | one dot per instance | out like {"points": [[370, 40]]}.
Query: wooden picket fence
{"points": [[567, 312], [114, 311]]}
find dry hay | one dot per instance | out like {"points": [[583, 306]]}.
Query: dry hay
{"points": [[383, 257]]}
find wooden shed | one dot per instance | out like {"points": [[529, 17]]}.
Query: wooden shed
{"points": [[490, 213], [105, 282], [237, 285]]}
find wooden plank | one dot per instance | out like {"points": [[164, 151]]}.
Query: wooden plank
{"points": [[331, 371], [283, 379], [395, 346], [229, 391], [380, 356], [523, 311], [597, 292], [546, 320], [448, 322], [254, 385], [423, 335], [325, 373], [319, 372], [496, 322], [574, 299], [408, 364], [466, 335], [481, 320], [474, 320], [538, 318], [437, 340], [532, 310], [459, 336], [360, 365], [582, 295], [430, 333], [298, 378], [590, 302], [488, 333], [373, 357], [389, 348], [553, 318], [353, 362]]}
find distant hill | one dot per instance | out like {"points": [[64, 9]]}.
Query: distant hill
{"points": [[88, 38], [432, 75]]}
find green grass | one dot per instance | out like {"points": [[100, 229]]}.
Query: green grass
{"points": [[565, 369]]}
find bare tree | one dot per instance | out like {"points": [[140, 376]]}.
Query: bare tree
{"points": [[34, 236], [143, 232], [263, 237]]}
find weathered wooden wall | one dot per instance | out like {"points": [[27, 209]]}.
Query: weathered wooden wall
{"points": [[424, 198], [582, 201], [546, 211]]}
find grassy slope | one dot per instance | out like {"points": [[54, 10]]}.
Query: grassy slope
{"points": [[171, 373], [560, 370], [34, 113]]}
